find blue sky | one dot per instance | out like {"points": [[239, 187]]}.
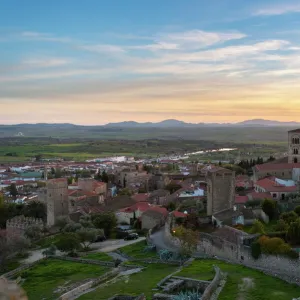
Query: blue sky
{"points": [[94, 62]]}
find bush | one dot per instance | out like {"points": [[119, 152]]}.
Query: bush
{"points": [[257, 227], [297, 210], [289, 217], [255, 250], [292, 254], [278, 234]]}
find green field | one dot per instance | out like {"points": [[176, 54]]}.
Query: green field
{"points": [[41, 281], [137, 250], [133, 285], [98, 256], [260, 286]]}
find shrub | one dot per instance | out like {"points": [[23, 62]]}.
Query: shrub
{"points": [[278, 234], [292, 254], [269, 207], [281, 225], [297, 210], [289, 217], [257, 227], [255, 250]]}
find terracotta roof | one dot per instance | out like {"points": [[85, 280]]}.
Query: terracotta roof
{"points": [[141, 206], [274, 167], [270, 185], [179, 214], [140, 197], [79, 193], [259, 196], [241, 199], [157, 210]]}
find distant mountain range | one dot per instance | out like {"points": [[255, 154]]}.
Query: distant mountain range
{"points": [[170, 123], [176, 123]]}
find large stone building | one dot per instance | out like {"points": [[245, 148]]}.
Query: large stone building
{"points": [[220, 190], [294, 146], [19, 224], [57, 200]]}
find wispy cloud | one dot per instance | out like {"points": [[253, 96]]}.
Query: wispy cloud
{"points": [[38, 36], [278, 9], [103, 48], [45, 62]]}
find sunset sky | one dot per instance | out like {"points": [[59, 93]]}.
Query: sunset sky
{"points": [[101, 61]]}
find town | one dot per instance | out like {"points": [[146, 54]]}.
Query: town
{"points": [[188, 228]]}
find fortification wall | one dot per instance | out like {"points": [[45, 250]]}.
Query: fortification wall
{"points": [[214, 247], [19, 224]]}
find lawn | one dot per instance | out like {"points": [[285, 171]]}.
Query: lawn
{"points": [[137, 250], [98, 256], [260, 286], [134, 285], [41, 281]]}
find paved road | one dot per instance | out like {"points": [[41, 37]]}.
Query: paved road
{"points": [[106, 246], [158, 239], [112, 245]]}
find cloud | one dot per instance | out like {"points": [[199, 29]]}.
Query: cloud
{"points": [[156, 46], [278, 10], [199, 38], [45, 63], [46, 37], [103, 48]]}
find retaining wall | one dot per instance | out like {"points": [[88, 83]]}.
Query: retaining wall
{"points": [[213, 285]]}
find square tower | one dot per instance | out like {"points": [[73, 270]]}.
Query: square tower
{"points": [[294, 146], [57, 200], [220, 190]]}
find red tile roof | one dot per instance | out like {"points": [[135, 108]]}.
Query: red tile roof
{"points": [[141, 206], [179, 214], [241, 199], [160, 210], [270, 185], [255, 195], [274, 167], [140, 197]]}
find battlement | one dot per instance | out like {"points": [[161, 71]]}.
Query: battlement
{"points": [[22, 222], [59, 183]]}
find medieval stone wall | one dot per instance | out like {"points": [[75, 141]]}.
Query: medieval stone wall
{"points": [[19, 224], [214, 247]]}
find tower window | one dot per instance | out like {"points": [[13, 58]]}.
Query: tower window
{"points": [[295, 160], [296, 151]]}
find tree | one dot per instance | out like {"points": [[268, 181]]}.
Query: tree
{"points": [[87, 236], [33, 232], [13, 190], [68, 243], [269, 207], [36, 209], [255, 250], [188, 240], [1, 200], [104, 177], [281, 225], [289, 217], [86, 221], [61, 222], [293, 233], [38, 157], [171, 206], [257, 227], [10, 245], [105, 221], [72, 227], [297, 210]]}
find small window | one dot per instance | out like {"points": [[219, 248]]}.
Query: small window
{"points": [[242, 257], [274, 195]]}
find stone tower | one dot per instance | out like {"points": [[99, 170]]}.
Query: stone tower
{"points": [[57, 200], [220, 190], [294, 146]]}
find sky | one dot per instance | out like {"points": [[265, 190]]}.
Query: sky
{"points": [[98, 61]]}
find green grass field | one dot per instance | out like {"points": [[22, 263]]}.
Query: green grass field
{"points": [[42, 280], [135, 284], [137, 250], [98, 256], [262, 287]]}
